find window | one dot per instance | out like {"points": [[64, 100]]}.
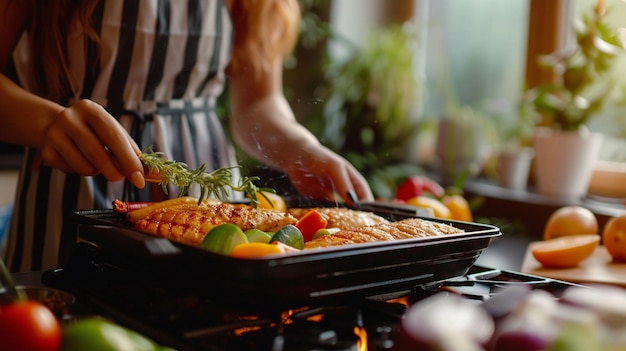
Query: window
{"points": [[474, 53], [481, 53]]}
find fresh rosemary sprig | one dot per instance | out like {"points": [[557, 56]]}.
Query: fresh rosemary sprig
{"points": [[216, 183]]}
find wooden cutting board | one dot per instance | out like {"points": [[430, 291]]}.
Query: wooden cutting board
{"points": [[597, 269]]}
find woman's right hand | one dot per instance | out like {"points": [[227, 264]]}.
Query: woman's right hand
{"points": [[85, 139]]}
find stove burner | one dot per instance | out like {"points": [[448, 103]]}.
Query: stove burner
{"points": [[183, 318]]}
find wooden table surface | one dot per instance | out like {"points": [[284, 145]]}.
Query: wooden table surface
{"points": [[597, 269]]}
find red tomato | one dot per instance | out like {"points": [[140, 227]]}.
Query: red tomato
{"points": [[310, 223], [418, 186], [29, 326]]}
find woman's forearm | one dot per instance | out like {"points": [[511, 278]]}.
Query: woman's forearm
{"points": [[268, 131], [24, 117]]}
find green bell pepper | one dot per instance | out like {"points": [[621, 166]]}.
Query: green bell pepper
{"points": [[97, 334]]}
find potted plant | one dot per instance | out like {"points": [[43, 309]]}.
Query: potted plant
{"points": [[466, 138], [514, 151], [565, 148]]}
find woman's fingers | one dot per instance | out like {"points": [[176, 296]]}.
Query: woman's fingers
{"points": [[327, 176], [362, 189], [61, 153], [122, 149], [87, 140], [349, 183], [52, 159]]}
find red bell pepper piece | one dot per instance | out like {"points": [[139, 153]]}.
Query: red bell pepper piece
{"points": [[125, 207], [417, 186], [310, 223]]}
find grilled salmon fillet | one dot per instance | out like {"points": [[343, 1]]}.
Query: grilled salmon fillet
{"points": [[342, 218], [189, 222], [404, 229]]}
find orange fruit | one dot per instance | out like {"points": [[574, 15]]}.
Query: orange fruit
{"points": [[459, 207], [439, 209], [614, 237], [276, 202], [565, 251], [570, 220]]}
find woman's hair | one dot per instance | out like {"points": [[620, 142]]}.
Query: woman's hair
{"points": [[264, 29], [48, 31]]}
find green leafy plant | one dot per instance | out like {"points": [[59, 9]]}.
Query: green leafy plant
{"points": [[373, 95], [371, 110], [582, 75], [516, 132], [466, 138]]}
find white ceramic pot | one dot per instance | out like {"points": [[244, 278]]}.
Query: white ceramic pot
{"points": [[460, 148], [565, 161], [513, 167]]}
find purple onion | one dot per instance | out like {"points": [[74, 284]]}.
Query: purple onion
{"points": [[445, 320], [521, 340]]}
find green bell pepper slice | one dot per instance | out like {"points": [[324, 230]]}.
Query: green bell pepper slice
{"points": [[97, 334]]}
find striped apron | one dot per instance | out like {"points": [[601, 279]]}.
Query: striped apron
{"points": [[160, 72]]}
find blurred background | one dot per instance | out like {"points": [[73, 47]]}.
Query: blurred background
{"points": [[378, 81], [436, 87]]}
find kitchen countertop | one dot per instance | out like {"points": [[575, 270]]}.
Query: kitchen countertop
{"points": [[599, 268], [505, 252], [532, 210], [521, 216]]}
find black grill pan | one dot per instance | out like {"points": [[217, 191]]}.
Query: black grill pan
{"points": [[313, 275]]}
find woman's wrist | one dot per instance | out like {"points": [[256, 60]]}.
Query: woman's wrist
{"points": [[36, 114]]}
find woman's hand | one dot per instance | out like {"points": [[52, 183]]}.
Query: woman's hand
{"points": [[86, 140], [322, 174]]}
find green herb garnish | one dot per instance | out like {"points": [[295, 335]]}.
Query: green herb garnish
{"points": [[216, 183]]}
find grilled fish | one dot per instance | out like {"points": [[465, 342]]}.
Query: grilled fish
{"points": [[410, 228], [342, 218], [188, 222]]}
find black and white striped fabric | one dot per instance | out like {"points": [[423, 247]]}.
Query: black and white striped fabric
{"points": [[160, 71]]}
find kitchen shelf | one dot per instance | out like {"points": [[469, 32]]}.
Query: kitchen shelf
{"points": [[530, 208]]}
